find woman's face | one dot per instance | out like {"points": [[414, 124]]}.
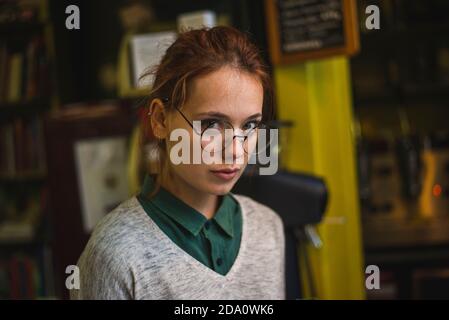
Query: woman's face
{"points": [[226, 94]]}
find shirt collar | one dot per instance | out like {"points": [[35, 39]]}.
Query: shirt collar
{"points": [[225, 214], [185, 215]]}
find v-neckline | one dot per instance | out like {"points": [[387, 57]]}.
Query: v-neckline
{"points": [[194, 262]]}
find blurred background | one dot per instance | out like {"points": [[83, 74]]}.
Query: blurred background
{"points": [[371, 119]]}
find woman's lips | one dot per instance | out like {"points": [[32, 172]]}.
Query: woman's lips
{"points": [[226, 174]]}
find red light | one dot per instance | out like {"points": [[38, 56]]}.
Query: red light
{"points": [[436, 190]]}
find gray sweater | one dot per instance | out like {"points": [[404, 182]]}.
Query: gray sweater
{"points": [[129, 257]]}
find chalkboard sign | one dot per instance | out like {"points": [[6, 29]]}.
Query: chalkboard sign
{"points": [[308, 29]]}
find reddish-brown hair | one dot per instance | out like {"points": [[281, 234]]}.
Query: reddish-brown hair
{"points": [[200, 52], [203, 51]]}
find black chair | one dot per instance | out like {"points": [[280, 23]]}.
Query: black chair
{"points": [[300, 200]]}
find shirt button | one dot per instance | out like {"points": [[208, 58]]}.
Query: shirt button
{"points": [[219, 261], [207, 225]]}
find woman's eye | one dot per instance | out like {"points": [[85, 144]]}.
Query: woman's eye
{"points": [[250, 125], [210, 124]]}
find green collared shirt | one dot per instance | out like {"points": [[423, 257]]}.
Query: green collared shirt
{"points": [[214, 242]]}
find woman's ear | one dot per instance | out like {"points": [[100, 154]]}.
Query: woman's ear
{"points": [[158, 119]]}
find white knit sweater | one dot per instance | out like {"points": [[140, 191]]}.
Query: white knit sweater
{"points": [[129, 257]]}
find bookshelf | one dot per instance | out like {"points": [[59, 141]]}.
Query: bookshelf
{"points": [[27, 94]]}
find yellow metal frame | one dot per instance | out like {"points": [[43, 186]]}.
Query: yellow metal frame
{"points": [[316, 96]]}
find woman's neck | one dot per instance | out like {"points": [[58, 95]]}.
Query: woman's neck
{"points": [[206, 204]]}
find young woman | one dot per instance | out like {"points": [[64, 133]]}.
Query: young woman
{"points": [[185, 236]]}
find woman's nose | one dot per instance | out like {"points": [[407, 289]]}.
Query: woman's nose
{"points": [[238, 151]]}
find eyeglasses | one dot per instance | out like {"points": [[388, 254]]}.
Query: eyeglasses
{"points": [[218, 131]]}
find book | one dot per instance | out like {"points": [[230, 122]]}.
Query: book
{"points": [[27, 275], [4, 64], [7, 151], [15, 77], [22, 147], [4, 280], [24, 72]]}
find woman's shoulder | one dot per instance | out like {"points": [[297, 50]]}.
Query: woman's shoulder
{"points": [[110, 254], [119, 230], [127, 216], [257, 210]]}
